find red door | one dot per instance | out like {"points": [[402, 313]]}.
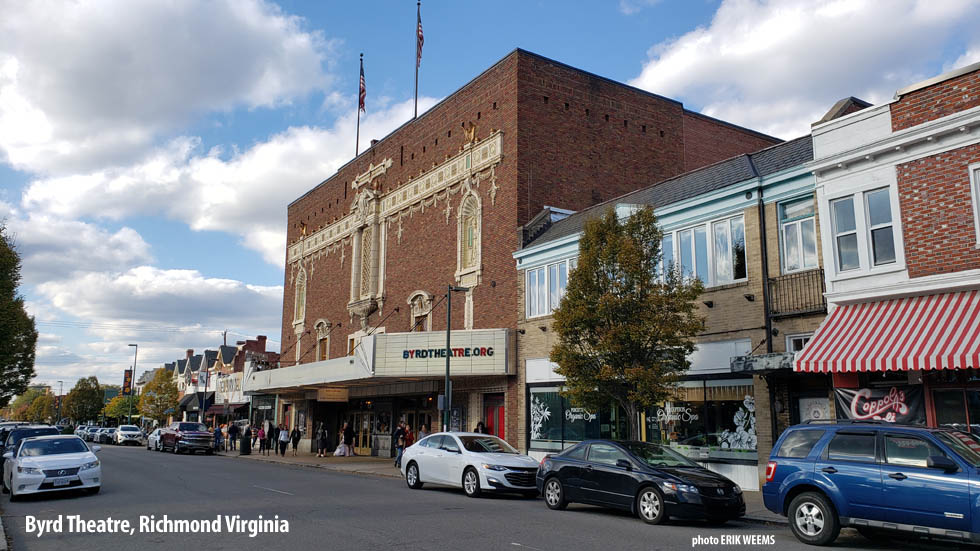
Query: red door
{"points": [[494, 414]]}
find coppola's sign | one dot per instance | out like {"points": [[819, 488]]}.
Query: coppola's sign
{"points": [[897, 404]]}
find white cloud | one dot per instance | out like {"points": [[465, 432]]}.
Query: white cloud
{"points": [[778, 66], [92, 83], [629, 7], [245, 194]]}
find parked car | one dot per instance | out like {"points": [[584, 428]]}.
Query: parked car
{"points": [[876, 477], [51, 463], [153, 440], [472, 461], [185, 436], [90, 433], [128, 434], [651, 480], [5, 429], [80, 430], [106, 436]]}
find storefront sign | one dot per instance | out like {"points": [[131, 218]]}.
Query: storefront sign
{"points": [[898, 404], [579, 414], [674, 414], [423, 353], [761, 362], [474, 352], [228, 388], [332, 395]]}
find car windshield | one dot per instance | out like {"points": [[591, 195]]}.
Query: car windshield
{"points": [[18, 435], [656, 455], [192, 427], [965, 444], [35, 448], [486, 444], [129, 428]]}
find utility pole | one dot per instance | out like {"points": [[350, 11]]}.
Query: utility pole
{"points": [[61, 390], [448, 401], [135, 352]]}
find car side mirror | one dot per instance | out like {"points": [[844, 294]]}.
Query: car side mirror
{"points": [[96, 448], [941, 462], [8, 455], [624, 464]]}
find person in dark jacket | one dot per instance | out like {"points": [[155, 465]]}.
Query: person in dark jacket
{"points": [[294, 438], [321, 441], [399, 438], [481, 428], [349, 439], [233, 436]]}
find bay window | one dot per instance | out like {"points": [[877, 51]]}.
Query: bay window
{"points": [[545, 287], [716, 261], [798, 234]]}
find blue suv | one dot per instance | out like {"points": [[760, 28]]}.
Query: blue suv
{"points": [[876, 477]]}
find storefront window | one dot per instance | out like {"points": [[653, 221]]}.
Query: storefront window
{"points": [[546, 418], [555, 424]]}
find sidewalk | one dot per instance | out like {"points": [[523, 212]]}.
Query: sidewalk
{"points": [[755, 511]]}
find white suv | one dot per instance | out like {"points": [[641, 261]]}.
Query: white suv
{"points": [[128, 434]]}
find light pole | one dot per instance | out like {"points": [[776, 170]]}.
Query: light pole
{"points": [[61, 390], [448, 402], [131, 379]]}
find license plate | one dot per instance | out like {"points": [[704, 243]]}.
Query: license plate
{"points": [[61, 481]]}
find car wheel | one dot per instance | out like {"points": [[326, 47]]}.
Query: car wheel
{"points": [[812, 519], [412, 476], [471, 482], [650, 505], [554, 494]]}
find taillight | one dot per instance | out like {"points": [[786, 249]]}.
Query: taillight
{"points": [[770, 471], [543, 459]]}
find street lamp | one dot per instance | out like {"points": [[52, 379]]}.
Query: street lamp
{"points": [[448, 402], [61, 390], [131, 379]]}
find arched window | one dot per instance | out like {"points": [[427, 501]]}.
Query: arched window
{"points": [[469, 232], [421, 311], [322, 340], [299, 309]]}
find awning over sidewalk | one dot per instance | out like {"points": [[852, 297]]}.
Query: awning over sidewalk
{"points": [[219, 409], [186, 400], [925, 332]]}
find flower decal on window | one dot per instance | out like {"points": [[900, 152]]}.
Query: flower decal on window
{"points": [[744, 436], [539, 414]]}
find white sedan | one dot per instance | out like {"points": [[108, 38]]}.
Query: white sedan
{"points": [[50, 464], [472, 461], [153, 440]]}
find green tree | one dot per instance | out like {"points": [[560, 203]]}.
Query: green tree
{"points": [[18, 335], [84, 402], [22, 403], [41, 409], [159, 396], [119, 407], [625, 326]]}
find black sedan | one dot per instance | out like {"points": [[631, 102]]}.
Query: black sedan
{"points": [[650, 480]]}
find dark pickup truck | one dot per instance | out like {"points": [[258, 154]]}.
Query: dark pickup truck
{"points": [[185, 436]]}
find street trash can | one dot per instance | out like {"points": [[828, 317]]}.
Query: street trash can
{"points": [[245, 446]]}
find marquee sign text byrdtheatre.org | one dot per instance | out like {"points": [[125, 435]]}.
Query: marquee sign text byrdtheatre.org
{"points": [[423, 353]]}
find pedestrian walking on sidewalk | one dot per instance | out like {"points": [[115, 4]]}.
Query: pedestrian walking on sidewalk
{"points": [[255, 436], [233, 436], [409, 436], [423, 432], [294, 437], [399, 438], [283, 440], [481, 428], [321, 441], [224, 436], [217, 438], [348, 436], [247, 438], [263, 445]]}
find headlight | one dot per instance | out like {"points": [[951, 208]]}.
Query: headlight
{"points": [[91, 465], [28, 470], [495, 467], [671, 487], [737, 489]]}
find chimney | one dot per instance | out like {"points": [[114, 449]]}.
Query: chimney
{"points": [[373, 142], [261, 339], [190, 352]]}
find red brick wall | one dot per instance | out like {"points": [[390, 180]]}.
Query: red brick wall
{"points": [[936, 101], [551, 155], [937, 213], [708, 140]]}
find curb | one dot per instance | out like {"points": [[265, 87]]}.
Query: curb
{"points": [[768, 521], [3, 537], [315, 466]]}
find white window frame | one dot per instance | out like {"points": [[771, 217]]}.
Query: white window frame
{"points": [[544, 271], [871, 228], [866, 265], [836, 234], [789, 339], [975, 196], [708, 228], [798, 222]]}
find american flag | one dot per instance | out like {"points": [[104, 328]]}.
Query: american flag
{"points": [[363, 91], [420, 41]]}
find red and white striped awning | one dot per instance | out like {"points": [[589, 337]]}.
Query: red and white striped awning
{"points": [[926, 332]]}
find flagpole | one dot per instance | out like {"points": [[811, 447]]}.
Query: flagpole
{"points": [[357, 138], [418, 23]]}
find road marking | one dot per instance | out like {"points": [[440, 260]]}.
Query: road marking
{"points": [[515, 544], [272, 490]]}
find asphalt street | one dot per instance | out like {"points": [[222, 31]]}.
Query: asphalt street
{"points": [[328, 510]]}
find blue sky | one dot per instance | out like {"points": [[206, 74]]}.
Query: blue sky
{"points": [[148, 150]]}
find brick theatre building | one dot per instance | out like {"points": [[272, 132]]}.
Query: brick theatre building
{"points": [[439, 202]]}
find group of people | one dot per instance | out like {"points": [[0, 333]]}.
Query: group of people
{"points": [[268, 437]]}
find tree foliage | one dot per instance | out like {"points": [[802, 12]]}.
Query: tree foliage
{"points": [[41, 409], [18, 335], [22, 403], [119, 407], [625, 326], [84, 402], [159, 396]]}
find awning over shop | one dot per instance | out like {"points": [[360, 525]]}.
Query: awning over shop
{"points": [[925, 332], [219, 409], [186, 400]]}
